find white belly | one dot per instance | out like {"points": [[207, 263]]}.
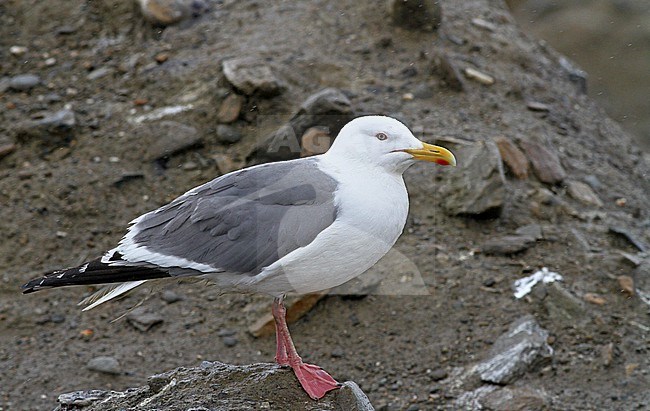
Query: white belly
{"points": [[372, 214]]}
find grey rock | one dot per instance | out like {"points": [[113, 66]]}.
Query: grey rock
{"points": [[515, 399], [227, 134], [81, 398], [521, 348], [248, 387], [416, 14], [563, 306], [229, 341], [24, 82], [576, 75], [170, 297], [642, 281], [99, 73], [450, 73], [251, 76], [142, 319], [167, 138], [329, 109], [508, 244], [60, 123], [593, 182], [478, 188], [530, 230], [105, 364], [423, 90]]}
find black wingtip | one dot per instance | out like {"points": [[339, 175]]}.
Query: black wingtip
{"points": [[92, 272]]}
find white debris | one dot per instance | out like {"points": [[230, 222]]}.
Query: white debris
{"points": [[160, 113], [523, 286]]}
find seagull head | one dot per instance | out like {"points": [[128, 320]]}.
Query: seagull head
{"points": [[385, 142]]}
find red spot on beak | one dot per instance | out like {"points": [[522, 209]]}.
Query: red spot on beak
{"points": [[442, 162]]}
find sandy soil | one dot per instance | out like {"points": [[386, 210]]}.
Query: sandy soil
{"points": [[59, 203]]}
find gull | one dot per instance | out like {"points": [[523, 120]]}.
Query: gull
{"points": [[296, 226]]}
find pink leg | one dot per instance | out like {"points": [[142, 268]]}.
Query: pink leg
{"points": [[281, 356], [314, 380]]}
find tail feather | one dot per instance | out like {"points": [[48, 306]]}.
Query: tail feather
{"points": [[93, 272], [108, 293]]}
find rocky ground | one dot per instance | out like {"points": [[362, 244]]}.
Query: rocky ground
{"points": [[106, 115]]}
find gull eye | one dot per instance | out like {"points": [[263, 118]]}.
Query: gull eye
{"points": [[381, 136]]}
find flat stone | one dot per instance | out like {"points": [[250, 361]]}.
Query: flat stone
{"points": [[230, 108], [142, 319], [583, 193], [478, 186], [513, 157], [167, 138], [508, 244], [515, 399], [59, 123], [218, 386], [24, 82], [546, 163], [416, 14], [251, 76], [104, 364], [228, 135], [521, 349], [530, 230], [563, 306]]}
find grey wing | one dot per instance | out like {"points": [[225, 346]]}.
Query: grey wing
{"points": [[243, 221]]}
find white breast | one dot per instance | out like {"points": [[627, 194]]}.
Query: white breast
{"points": [[372, 211]]}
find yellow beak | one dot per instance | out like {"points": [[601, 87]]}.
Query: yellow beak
{"points": [[434, 154]]}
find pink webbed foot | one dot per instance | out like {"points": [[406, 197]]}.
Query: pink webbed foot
{"points": [[314, 380]]}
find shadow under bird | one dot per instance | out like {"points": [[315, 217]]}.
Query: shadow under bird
{"points": [[295, 226]]}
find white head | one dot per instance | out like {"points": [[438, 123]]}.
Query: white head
{"points": [[384, 142]]}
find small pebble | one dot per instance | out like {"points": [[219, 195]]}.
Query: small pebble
{"points": [[105, 364], [537, 106], [227, 134], [476, 75], [438, 374], [161, 57], [594, 299], [626, 284], [24, 82], [170, 297], [337, 352], [17, 50], [229, 341]]}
